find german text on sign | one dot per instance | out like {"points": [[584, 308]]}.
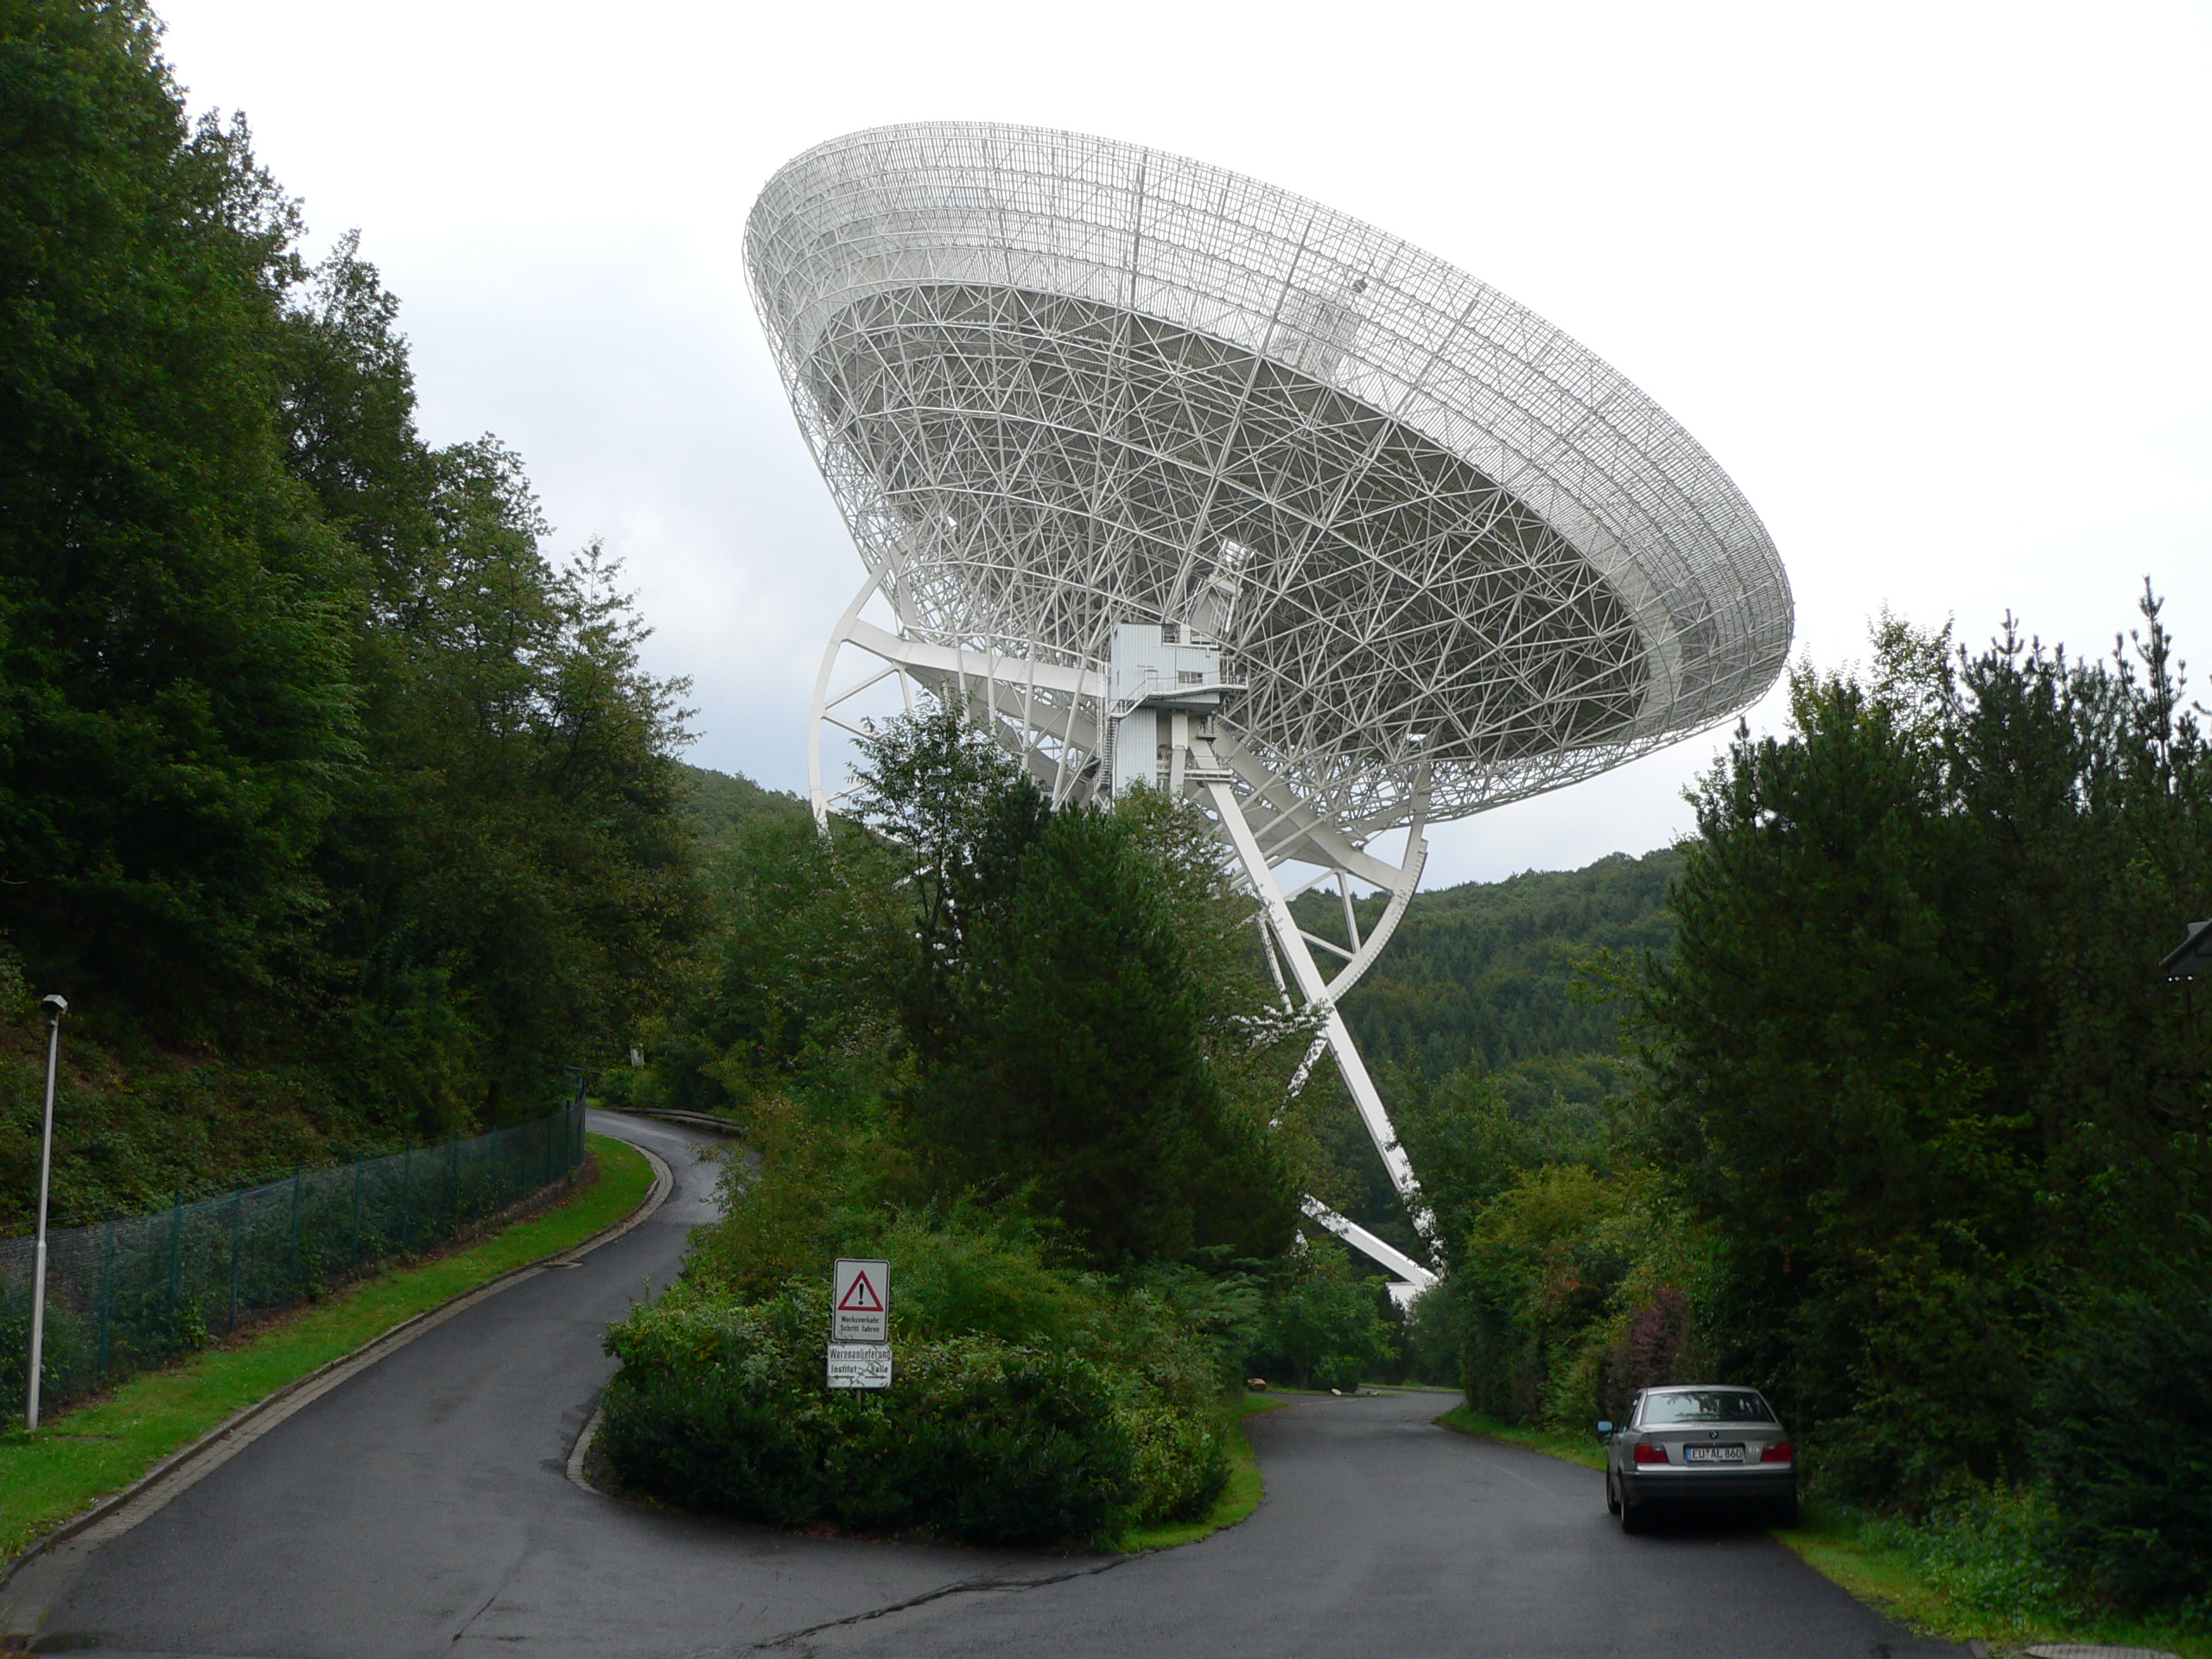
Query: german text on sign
{"points": [[860, 1303], [859, 1365]]}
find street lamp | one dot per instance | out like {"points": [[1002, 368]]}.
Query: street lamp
{"points": [[55, 1007], [2192, 955]]}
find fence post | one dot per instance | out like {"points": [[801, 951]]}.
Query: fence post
{"points": [[406, 1197], [107, 1289], [237, 1217], [455, 1206], [296, 1229], [176, 1257], [354, 1256]]}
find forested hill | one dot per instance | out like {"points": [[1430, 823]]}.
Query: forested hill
{"points": [[721, 803], [1480, 975]]}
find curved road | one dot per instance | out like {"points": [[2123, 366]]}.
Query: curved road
{"points": [[423, 1508]]}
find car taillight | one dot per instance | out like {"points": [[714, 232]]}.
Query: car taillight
{"points": [[1780, 1452], [1645, 1453]]}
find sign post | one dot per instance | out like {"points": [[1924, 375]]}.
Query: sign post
{"points": [[860, 1325]]}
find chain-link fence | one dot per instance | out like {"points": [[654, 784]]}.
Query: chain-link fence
{"points": [[134, 1291]]}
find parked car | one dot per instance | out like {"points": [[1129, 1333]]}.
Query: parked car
{"points": [[1700, 1445]]}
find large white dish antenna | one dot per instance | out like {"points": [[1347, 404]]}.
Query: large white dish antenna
{"points": [[1069, 392]]}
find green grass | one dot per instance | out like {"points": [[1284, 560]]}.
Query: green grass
{"points": [[1239, 1499], [74, 1459], [1584, 1449], [1875, 1559]]}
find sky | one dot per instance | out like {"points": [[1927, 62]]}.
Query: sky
{"points": [[1928, 280]]}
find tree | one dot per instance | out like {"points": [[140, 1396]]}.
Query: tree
{"points": [[304, 742], [801, 997], [177, 718], [1056, 1013], [1910, 1060]]}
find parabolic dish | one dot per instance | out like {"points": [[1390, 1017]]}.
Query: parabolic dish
{"points": [[1057, 382]]}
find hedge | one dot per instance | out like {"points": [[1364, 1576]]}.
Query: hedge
{"points": [[724, 1406]]}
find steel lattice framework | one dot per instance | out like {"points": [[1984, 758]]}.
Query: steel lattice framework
{"points": [[1448, 558]]}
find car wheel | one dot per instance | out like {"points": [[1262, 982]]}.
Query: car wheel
{"points": [[1612, 1502], [1785, 1512], [1632, 1518]]}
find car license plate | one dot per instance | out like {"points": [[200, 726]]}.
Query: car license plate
{"points": [[1712, 1454]]}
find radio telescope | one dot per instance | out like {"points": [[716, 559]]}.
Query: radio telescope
{"points": [[1167, 476]]}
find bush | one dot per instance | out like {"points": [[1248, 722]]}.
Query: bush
{"points": [[2125, 1453], [723, 1406], [1325, 1329], [1989, 1549], [1436, 1334]]}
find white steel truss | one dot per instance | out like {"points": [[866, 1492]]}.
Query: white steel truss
{"points": [[1059, 384], [1053, 721]]}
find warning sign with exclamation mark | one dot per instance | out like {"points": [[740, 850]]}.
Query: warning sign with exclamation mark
{"points": [[859, 1306]]}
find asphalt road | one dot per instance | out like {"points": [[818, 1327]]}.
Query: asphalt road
{"points": [[423, 1508], [1383, 1535]]}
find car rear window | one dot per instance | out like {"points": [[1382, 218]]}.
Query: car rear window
{"points": [[1705, 1406]]}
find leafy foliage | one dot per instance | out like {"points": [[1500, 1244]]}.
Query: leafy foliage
{"points": [[722, 805], [177, 719], [1910, 1061], [1031, 1401], [1489, 1025], [1026, 1056], [1479, 981], [1918, 1138], [312, 763], [2123, 1450], [1057, 1013], [1327, 1327], [721, 1405]]}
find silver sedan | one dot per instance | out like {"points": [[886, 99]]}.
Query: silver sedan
{"points": [[1699, 1443]]}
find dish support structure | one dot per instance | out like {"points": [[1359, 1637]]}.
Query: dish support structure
{"points": [[1148, 716]]}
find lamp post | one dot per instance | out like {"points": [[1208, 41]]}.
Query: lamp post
{"points": [[2191, 957], [55, 1007]]}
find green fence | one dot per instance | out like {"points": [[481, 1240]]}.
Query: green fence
{"points": [[135, 1291]]}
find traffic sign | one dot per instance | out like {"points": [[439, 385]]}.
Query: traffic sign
{"points": [[859, 1306], [860, 1364]]}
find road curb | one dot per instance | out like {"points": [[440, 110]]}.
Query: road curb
{"points": [[273, 1408], [582, 1449]]}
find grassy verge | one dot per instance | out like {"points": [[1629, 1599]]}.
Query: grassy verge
{"points": [[1583, 1449], [76, 1459], [1239, 1499], [1887, 1564]]}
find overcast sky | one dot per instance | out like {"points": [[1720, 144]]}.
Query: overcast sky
{"points": [[1929, 281]]}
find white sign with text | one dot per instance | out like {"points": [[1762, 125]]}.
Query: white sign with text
{"points": [[860, 1364], [860, 1305]]}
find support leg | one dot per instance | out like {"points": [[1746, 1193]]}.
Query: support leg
{"points": [[1365, 1095]]}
